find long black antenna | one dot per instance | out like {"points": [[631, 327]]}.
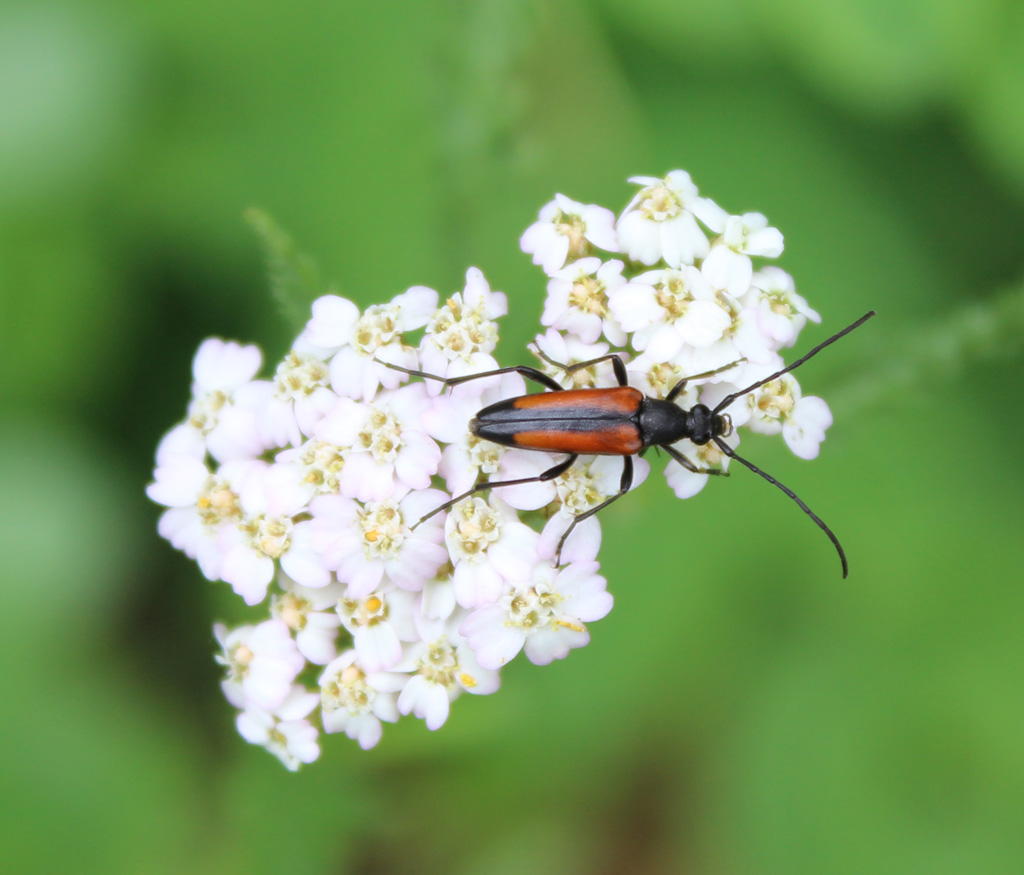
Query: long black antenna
{"points": [[725, 402], [725, 448]]}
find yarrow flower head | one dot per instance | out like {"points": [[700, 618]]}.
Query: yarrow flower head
{"points": [[566, 231], [340, 496]]}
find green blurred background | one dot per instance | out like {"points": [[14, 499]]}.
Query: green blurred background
{"points": [[742, 710]]}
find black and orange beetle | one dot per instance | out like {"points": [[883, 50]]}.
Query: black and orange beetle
{"points": [[619, 421]]}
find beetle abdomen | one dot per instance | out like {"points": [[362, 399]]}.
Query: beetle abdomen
{"points": [[580, 421]]}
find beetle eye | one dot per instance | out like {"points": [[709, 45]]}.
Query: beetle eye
{"points": [[726, 425]]}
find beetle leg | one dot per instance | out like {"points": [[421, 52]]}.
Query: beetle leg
{"points": [[689, 466], [624, 484], [681, 385], [613, 357], [543, 477], [523, 370]]}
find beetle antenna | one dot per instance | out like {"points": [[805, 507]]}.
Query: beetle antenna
{"points": [[725, 402], [725, 448]]}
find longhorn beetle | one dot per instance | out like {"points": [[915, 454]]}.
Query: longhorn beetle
{"points": [[620, 421]]}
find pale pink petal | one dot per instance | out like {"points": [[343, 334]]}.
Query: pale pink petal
{"points": [[581, 546], [551, 643], [476, 585], [418, 560], [361, 576], [472, 678], [341, 424], [363, 478], [491, 640], [418, 460]]}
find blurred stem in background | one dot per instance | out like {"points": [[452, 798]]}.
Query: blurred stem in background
{"points": [[925, 357]]}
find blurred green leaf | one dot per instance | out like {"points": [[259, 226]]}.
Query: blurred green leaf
{"points": [[69, 536], [880, 57], [88, 753], [992, 100], [69, 98], [58, 312]]}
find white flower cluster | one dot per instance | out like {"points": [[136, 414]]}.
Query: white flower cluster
{"points": [[321, 480]]}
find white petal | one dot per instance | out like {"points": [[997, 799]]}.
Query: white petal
{"points": [[254, 725], [438, 600], [703, 324], [682, 240], [221, 365], [248, 572], [378, 646], [635, 305], [665, 341], [766, 242], [369, 732], [333, 320], [301, 562], [728, 270], [178, 481], [805, 431], [435, 706], [600, 225], [518, 464], [347, 368], [639, 238], [684, 483], [183, 439], [236, 435], [416, 306]]}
